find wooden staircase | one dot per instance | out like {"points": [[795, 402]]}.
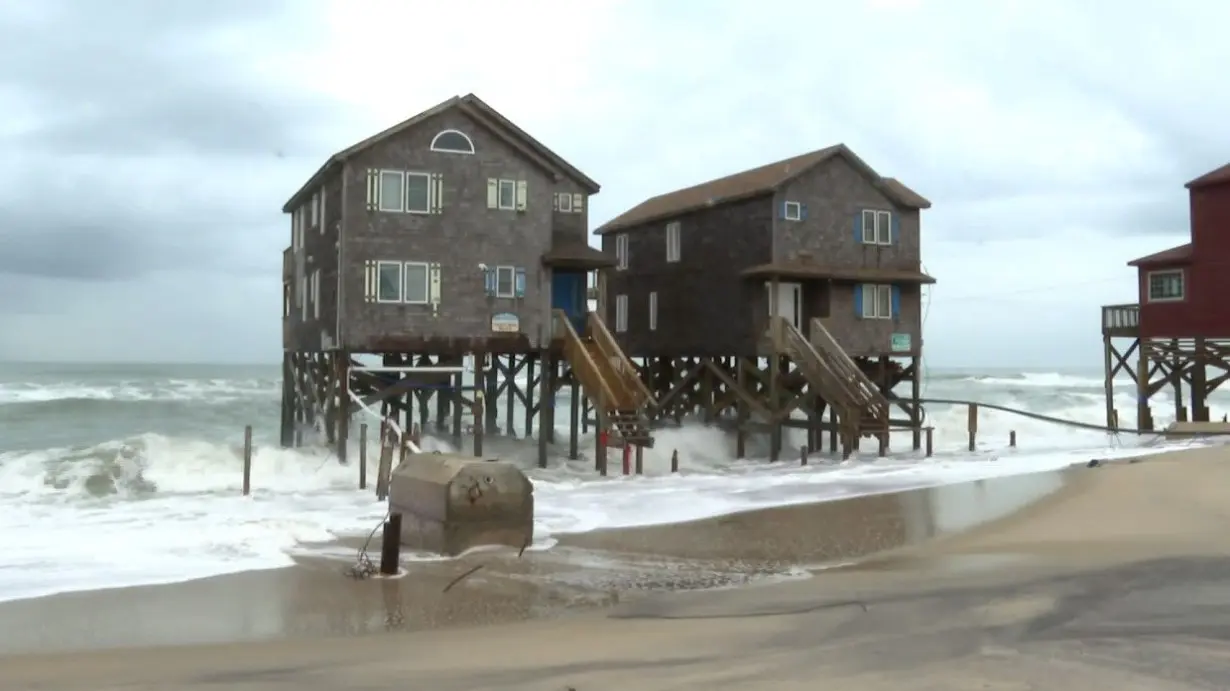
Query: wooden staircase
{"points": [[860, 406], [607, 377]]}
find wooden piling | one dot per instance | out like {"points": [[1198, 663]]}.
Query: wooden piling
{"points": [[930, 447], [803, 455], [973, 426], [247, 460], [1012, 439], [390, 545], [363, 456], [478, 424], [640, 460], [675, 461], [385, 467]]}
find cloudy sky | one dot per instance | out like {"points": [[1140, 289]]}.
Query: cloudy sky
{"points": [[148, 145]]}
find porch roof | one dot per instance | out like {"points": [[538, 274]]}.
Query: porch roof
{"points": [[815, 272], [578, 255]]}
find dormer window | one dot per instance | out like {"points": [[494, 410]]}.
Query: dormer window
{"points": [[452, 142]]}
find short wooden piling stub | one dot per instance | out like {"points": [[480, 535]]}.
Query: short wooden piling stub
{"points": [[390, 545], [1012, 438], [640, 460], [973, 426], [363, 456], [247, 460], [675, 461], [930, 439], [802, 455]]}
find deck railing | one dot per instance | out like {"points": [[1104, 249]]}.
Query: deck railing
{"points": [[615, 356], [587, 371], [1122, 318]]}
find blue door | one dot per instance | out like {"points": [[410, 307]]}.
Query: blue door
{"points": [[568, 294]]}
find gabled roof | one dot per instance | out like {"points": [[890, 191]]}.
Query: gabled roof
{"points": [[1175, 255], [1213, 177], [752, 183], [477, 110]]}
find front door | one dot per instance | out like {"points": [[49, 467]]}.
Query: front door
{"points": [[789, 302], [568, 295]]}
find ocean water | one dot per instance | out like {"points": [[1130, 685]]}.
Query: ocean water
{"points": [[119, 475]]}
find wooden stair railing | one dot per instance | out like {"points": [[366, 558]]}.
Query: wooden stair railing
{"points": [[626, 370], [584, 367], [870, 394], [831, 369]]}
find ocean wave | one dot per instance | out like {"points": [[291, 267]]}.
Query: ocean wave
{"points": [[1054, 380], [204, 390]]}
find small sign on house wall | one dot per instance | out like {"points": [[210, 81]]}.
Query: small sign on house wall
{"points": [[900, 343], [505, 322]]}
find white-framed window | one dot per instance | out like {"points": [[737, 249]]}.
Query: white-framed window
{"points": [[388, 281], [505, 281], [392, 190], [793, 211], [621, 251], [315, 206], [416, 278], [653, 311], [563, 202], [316, 294], [877, 301], [452, 142], [672, 241], [1166, 286], [418, 193], [621, 313], [877, 227], [507, 194]]}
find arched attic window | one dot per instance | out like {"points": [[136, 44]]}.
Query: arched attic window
{"points": [[453, 142]]}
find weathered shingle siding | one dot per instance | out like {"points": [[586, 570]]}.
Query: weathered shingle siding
{"points": [[319, 253], [572, 226], [466, 234], [834, 194], [704, 306]]}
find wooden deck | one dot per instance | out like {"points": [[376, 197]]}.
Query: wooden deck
{"points": [[1121, 321]]}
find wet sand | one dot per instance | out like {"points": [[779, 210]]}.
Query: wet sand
{"points": [[1120, 575]]}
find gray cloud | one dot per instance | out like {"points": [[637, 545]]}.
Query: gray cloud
{"points": [[154, 139]]}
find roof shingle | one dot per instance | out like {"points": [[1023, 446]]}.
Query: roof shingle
{"points": [[751, 183]]}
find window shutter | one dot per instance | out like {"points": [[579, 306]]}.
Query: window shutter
{"points": [[858, 300], [433, 284], [437, 193], [896, 226], [522, 195], [520, 282], [896, 302], [858, 230], [802, 212], [489, 281], [577, 200], [373, 189], [493, 193], [555, 201], [781, 210]]}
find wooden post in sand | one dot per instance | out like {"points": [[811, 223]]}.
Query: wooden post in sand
{"points": [[363, 456], [640, 460], [973, 425], [385, 467], [477, 410], [675, 461], [247, 460], [1012, 439], [803, 455], [930, 446]]}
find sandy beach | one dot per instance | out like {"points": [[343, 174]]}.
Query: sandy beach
{"points": [[1114, 575]]}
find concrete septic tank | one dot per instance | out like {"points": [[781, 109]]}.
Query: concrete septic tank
{"points": [[452, 502]]}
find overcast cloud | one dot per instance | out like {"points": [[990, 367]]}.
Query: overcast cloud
{"points": [[148, 145]]}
